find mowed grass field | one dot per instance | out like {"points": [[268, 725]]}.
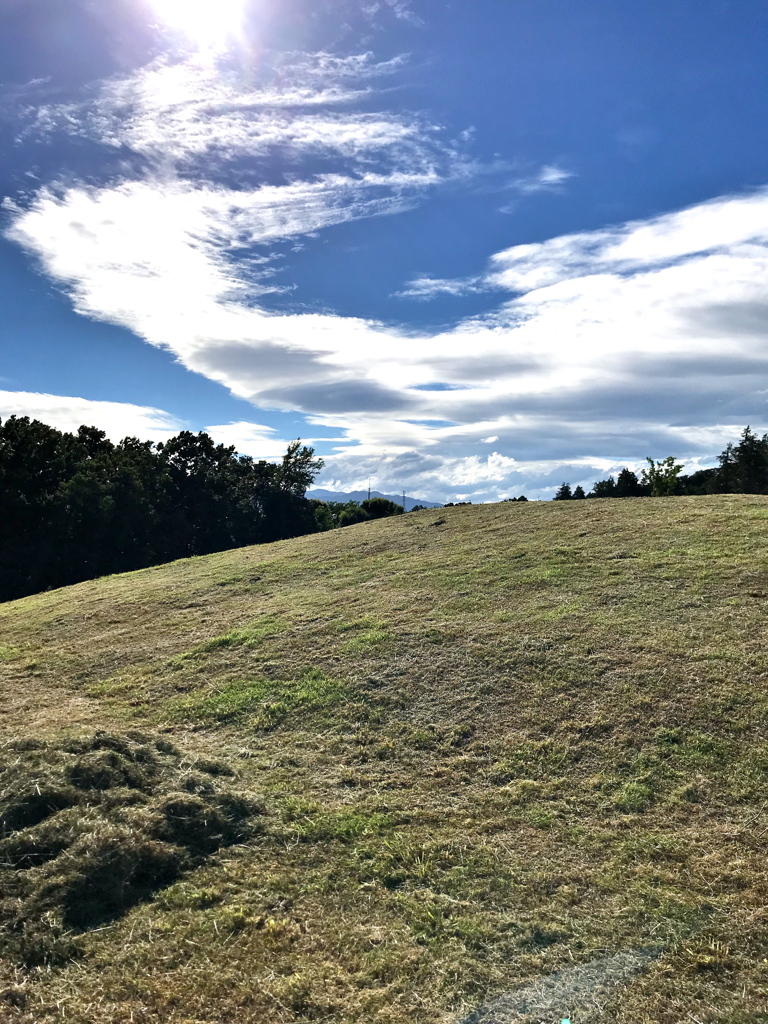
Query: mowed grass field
{"points": [[486, 744]]}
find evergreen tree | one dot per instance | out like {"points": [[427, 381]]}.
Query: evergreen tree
{"points": [[744, 466], [603, 489], [627, 485], [563, 493]]}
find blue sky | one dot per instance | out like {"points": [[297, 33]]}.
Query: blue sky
{"points": [[466, 249]]}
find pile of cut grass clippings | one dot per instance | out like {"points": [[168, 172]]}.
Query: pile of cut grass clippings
{"points": [[91, 827]]}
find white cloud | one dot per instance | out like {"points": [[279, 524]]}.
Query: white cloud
{"points": [[175, 113], [152, 254], [400, 9], [116, 419], [643, 338], [249, 439], [729, 225], [404, 11], [431, 287], [601, 357], [548, 179]]}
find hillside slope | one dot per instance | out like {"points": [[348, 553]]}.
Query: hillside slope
{"points": [[487, 744]]}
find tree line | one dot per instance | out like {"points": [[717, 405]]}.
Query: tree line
{"points": [[742, 469], [75, 506], [330, 515]]}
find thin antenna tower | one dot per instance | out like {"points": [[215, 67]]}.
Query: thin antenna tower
{"points": [[403, 499], [369, 488]]}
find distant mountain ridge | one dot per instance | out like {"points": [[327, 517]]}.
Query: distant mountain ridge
{"points": [[323, 495]]}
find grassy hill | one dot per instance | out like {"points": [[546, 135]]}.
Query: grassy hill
{"points": [[394, 772]]}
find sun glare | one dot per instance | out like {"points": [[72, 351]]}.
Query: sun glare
{"points": [[210, 24]]}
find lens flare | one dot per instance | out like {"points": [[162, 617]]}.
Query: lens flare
{"points": [[209, 24]]}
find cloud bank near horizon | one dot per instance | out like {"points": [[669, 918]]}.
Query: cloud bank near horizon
{"points": [[67, 413], [598, 348], [119, 420]]}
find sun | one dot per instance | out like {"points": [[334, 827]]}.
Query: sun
{"points": [[209, 24]]}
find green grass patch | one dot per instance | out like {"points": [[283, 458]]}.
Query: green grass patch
{"points": [[310, 822], [111, 687], [262, 703], [349, 625], [634, 797], [246, 636], [368, 640]]}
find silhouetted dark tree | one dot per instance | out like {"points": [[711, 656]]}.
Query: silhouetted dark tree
{"points": [[603, 489], [702, 481], [578, 492], [628, 486], [564, 493], [742, 469], [76, 506], [744, 466]]}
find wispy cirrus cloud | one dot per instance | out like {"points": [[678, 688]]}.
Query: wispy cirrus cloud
{"points": [[175, 113], [730, 225], [400, 8], [426, 288], [548, 179], [140, 253], [192, 207]]}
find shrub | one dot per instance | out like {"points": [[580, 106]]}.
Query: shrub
{"points": [[353, 514], [662, 476], [381, 508]]}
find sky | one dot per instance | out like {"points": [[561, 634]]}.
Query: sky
{"points": [[464, 249]]}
